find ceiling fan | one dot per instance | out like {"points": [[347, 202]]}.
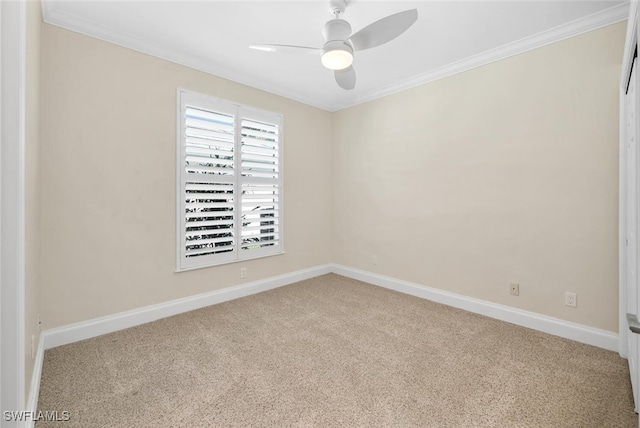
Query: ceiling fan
{"points": [[340, 45]]}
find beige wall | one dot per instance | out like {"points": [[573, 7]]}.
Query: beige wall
{"points": [[32, 185], [108, 180], [505, 173]]}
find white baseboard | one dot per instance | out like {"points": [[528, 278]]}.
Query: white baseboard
{"points": [[99, 326], [578, 332], [108, 324], [34, 390]]}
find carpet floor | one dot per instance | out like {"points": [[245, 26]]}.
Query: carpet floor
{"points": [[328, 352]]}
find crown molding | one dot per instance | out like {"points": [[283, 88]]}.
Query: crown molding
{"points": [[574, 28], [51, 15]]}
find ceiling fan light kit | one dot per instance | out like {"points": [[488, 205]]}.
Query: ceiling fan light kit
{"points": [[337, 53]]}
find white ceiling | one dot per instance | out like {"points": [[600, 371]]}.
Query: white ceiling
{"points": [[213, 36]]}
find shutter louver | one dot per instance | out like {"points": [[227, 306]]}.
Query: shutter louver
{"points": [[260, 184], [260, 222], [209, 189]]}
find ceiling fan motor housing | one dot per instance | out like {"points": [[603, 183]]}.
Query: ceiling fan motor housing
{"points": [[337, 52], [336, 29]]}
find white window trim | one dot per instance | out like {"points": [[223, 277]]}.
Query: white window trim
{"points": [[235, 256]]}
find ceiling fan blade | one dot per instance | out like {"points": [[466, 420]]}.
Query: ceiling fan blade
{"points": [[286, 48], [346, 78], [384, 30]]}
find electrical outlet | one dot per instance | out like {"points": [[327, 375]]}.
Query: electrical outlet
{"points": [[243, 272], [374, 260], [570, 299], [514, 288]]}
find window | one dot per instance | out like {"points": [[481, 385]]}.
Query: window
{"points": [[229, 182]]}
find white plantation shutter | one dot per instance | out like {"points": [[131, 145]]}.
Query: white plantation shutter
{"points": [[260, 182], [229, 197]]}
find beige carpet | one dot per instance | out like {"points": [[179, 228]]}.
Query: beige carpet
{"points": [[332, 351]]}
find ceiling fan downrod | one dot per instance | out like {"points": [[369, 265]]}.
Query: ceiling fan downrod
{"points": [[337, 7]]}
